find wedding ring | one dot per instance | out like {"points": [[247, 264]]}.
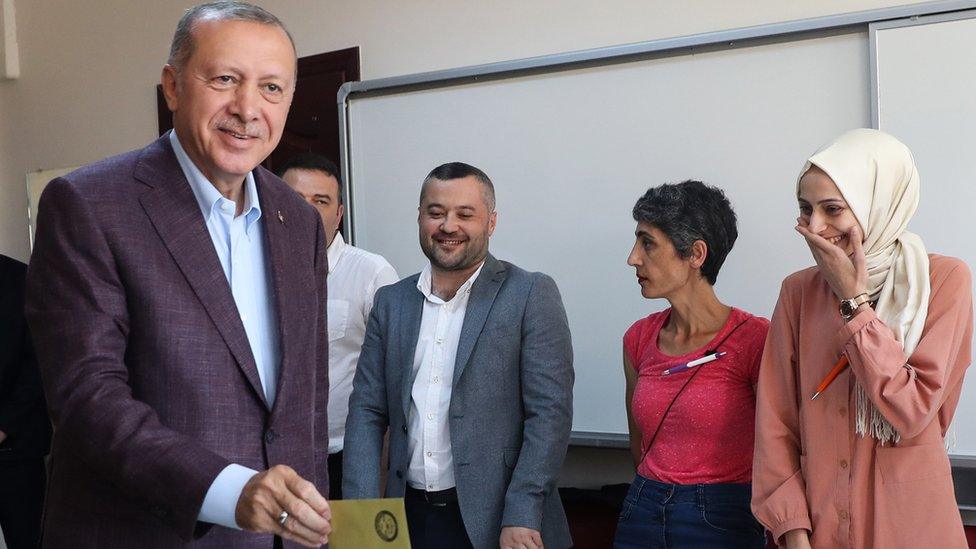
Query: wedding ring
{"points": [[282, 518]]}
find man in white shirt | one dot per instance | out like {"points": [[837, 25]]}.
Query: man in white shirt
{"points": [[354, 277], [469, 365]]}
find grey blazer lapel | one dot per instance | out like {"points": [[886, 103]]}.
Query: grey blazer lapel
{"points": [[482, 298], [409, 321], [174, 212]]}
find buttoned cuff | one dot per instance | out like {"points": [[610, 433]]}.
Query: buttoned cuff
{"points": [[220, 504], [798, 523]]}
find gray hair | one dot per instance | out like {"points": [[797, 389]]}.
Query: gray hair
{"points": [[691, 211], [182, 47]]}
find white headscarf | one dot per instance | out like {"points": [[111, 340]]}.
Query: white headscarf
{"points": [[876, 174]]}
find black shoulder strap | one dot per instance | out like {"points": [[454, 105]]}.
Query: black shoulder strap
{"points": [[664, 416]]}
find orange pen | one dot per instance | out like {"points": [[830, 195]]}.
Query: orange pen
{"points": [[841, 365]]}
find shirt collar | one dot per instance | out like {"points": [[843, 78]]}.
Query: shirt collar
{"points": [[208, 197], [335, 250], [425, 282]]}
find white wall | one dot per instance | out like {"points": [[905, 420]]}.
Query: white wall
{"points": [[88, 69], [86, 91]]}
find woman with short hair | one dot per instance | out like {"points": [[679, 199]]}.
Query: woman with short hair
{"points": [[691, 371], [864, 364]]}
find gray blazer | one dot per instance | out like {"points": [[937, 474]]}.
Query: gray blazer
{"points": [[511, 405]]}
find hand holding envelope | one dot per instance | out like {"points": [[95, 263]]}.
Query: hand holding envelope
{"points": [[280, 501], [368, 523]]}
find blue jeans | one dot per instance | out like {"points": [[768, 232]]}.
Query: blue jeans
{"points": [[662, 515]]}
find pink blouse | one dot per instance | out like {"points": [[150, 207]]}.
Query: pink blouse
{"points": [[810, 470]]}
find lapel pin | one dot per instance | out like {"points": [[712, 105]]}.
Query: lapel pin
{"points": [[281, 218]]}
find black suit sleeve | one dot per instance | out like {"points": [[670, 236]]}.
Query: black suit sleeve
{"points": [[21, 395]]}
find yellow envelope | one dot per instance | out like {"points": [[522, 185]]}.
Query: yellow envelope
{"points": [[368, 523]]}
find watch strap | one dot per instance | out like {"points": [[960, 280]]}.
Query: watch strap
{"points": [[849, 306]]}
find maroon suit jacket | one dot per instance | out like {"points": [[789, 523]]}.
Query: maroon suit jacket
{"points": [[148, 373]]}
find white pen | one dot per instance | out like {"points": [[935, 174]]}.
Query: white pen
{"points": [[693, 363]]}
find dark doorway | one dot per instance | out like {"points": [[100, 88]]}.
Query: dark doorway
{"points": [[313, 121]]}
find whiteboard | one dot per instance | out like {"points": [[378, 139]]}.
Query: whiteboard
{"points": [[36, 182], [570, 152], [925, 93]]}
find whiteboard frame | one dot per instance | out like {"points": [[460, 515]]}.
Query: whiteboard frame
{"points": [[913, 21], [862, 21], [961, 461], [726, 39]]}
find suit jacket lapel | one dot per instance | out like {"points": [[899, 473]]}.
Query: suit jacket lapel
{"points": [[286, 284], [482, 298], [410, 315], [174, 212]]}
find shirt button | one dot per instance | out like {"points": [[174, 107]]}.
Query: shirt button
{"points": [[430, 416], [225, 206], [843, 464], [440, 341], [436, 379], [244, 318], [430, 454], [843, 514], [430, 487]]}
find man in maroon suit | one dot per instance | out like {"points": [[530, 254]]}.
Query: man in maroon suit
{"points": [[177, 300]]}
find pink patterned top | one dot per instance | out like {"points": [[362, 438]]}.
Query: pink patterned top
{"points": [[707, 436]]}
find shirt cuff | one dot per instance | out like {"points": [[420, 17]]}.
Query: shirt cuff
{"points": [[220, 504], [798, 523]]}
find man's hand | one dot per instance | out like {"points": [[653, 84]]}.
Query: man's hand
{"points": [[516, 537], [279, 489]]}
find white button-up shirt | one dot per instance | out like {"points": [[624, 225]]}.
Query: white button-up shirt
{"points": [[354, 277], [429, 444]]}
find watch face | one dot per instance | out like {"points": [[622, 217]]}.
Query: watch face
{"points": [[386, 526], [846, 309]]}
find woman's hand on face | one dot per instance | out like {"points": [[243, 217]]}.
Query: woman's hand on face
{"points": [[847, 275]]}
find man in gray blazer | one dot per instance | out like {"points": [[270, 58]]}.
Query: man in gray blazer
{"points": [[469, 365]]}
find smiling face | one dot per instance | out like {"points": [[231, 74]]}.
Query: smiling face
{"points": [[455, 223], [322, 191], [660, 269], [231, 98], [823, 209]]}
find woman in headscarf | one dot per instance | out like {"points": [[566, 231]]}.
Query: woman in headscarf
{"points": [[691, 372], [864, 463]]}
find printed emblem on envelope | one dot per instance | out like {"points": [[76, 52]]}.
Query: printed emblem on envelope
{"points": [[386, 526]]}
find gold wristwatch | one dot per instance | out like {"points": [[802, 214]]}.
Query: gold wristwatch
{"points": [[849, 306]]}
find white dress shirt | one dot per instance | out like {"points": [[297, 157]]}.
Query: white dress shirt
{"points": [[354, 277], [429, 445]]}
